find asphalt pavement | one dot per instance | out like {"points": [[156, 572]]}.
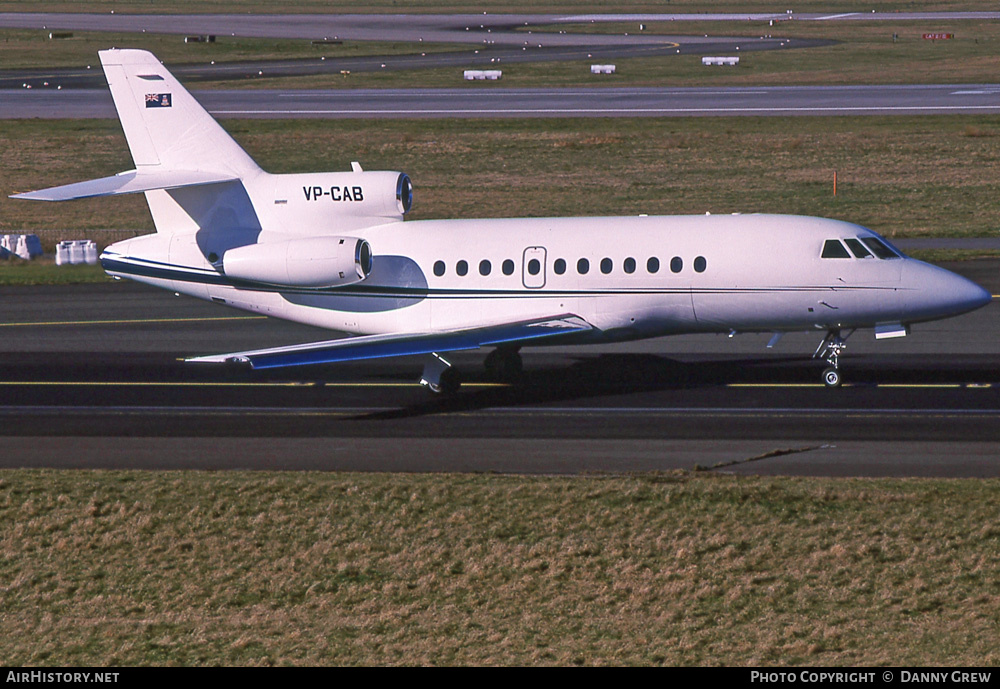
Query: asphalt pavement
{"points": [[91, 377]]}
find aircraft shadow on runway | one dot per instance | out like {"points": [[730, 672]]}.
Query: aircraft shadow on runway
{"points": [[610, 375], [586, 378], [636, 380]]}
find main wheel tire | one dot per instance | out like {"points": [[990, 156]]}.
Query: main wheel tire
{"points": [[449, 383], [505, 366], [831, 378]]}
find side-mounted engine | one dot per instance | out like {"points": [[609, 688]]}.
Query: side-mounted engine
{"points": [[309, 262]]}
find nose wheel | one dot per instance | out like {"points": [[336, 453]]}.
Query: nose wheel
{"points": [[831, 378], [829, 350]]}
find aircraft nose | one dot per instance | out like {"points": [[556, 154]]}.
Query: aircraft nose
{"points": [[934, 292], [973, 296]]}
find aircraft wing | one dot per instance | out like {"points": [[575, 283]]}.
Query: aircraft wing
{"points": [[130, 182], [401, 344]]}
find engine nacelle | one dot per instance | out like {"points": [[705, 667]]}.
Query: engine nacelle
{"points": [[375, 194], [311, 262]]}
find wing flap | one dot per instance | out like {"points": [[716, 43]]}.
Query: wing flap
{"points": [[130, 182], [402, 344]]}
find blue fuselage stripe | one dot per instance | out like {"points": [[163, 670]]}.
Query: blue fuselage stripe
{"points": [[195, 276]]}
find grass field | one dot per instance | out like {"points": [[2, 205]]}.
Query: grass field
{"points": [[477, 6], [122, 568], [864, 53], [44, 271], [902, 176], [20, 49]]}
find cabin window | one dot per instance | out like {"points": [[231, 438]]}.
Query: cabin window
{"points": [[583, 266], [834, 249], [653, 264], [534, 266], [439, 268], [508, 267], [676, 264], [858, 249], [462, 268], [485, 267], [879, 247], [559, 266], [699, 264], [629, 265], [606, 265]]}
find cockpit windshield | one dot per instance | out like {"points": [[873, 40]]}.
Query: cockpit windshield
{"points": [[879, 247], [860, 247], [832, 248]]}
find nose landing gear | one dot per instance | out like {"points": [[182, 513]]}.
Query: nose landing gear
{"points": [[829, 350]]}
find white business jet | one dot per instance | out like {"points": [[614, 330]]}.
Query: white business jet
{"points": [[332, 250]]}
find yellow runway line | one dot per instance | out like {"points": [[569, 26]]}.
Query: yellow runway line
{"points": [[136, 320]]}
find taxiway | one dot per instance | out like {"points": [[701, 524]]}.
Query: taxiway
{"points": [[494, 101]]}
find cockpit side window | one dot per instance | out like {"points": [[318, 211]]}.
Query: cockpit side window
{"points": [[834, 249], [858, 249], [879, 247]]}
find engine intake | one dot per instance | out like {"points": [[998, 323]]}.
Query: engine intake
{"points": [[404, 193]]}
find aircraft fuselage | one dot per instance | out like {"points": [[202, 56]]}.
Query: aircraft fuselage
{"points": [[629, 277]]}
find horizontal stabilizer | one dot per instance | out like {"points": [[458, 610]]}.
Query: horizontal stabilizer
{"points": [[130, 182], [402, 344]]}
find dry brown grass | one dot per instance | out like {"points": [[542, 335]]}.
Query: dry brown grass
{"points": [[126, 568], [898, 175]]}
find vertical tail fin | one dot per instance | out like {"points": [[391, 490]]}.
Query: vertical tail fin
{"points": [[194, 176], [164, 125], [168, 130]]}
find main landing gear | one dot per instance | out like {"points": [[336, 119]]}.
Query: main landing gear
{"points": [[829, 350], [502, 364], [439, 377]]}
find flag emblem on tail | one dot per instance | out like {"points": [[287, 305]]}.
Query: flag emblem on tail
{"points": [[157, 100]]}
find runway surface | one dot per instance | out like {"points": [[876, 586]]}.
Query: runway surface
{"points": [[493, 101], [90, 378]]}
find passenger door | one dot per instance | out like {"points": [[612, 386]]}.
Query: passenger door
{"points": [[533, 267]]}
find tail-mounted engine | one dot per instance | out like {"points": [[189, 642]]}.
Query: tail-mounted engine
{"points": [[306, 203], [310, 262]]}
